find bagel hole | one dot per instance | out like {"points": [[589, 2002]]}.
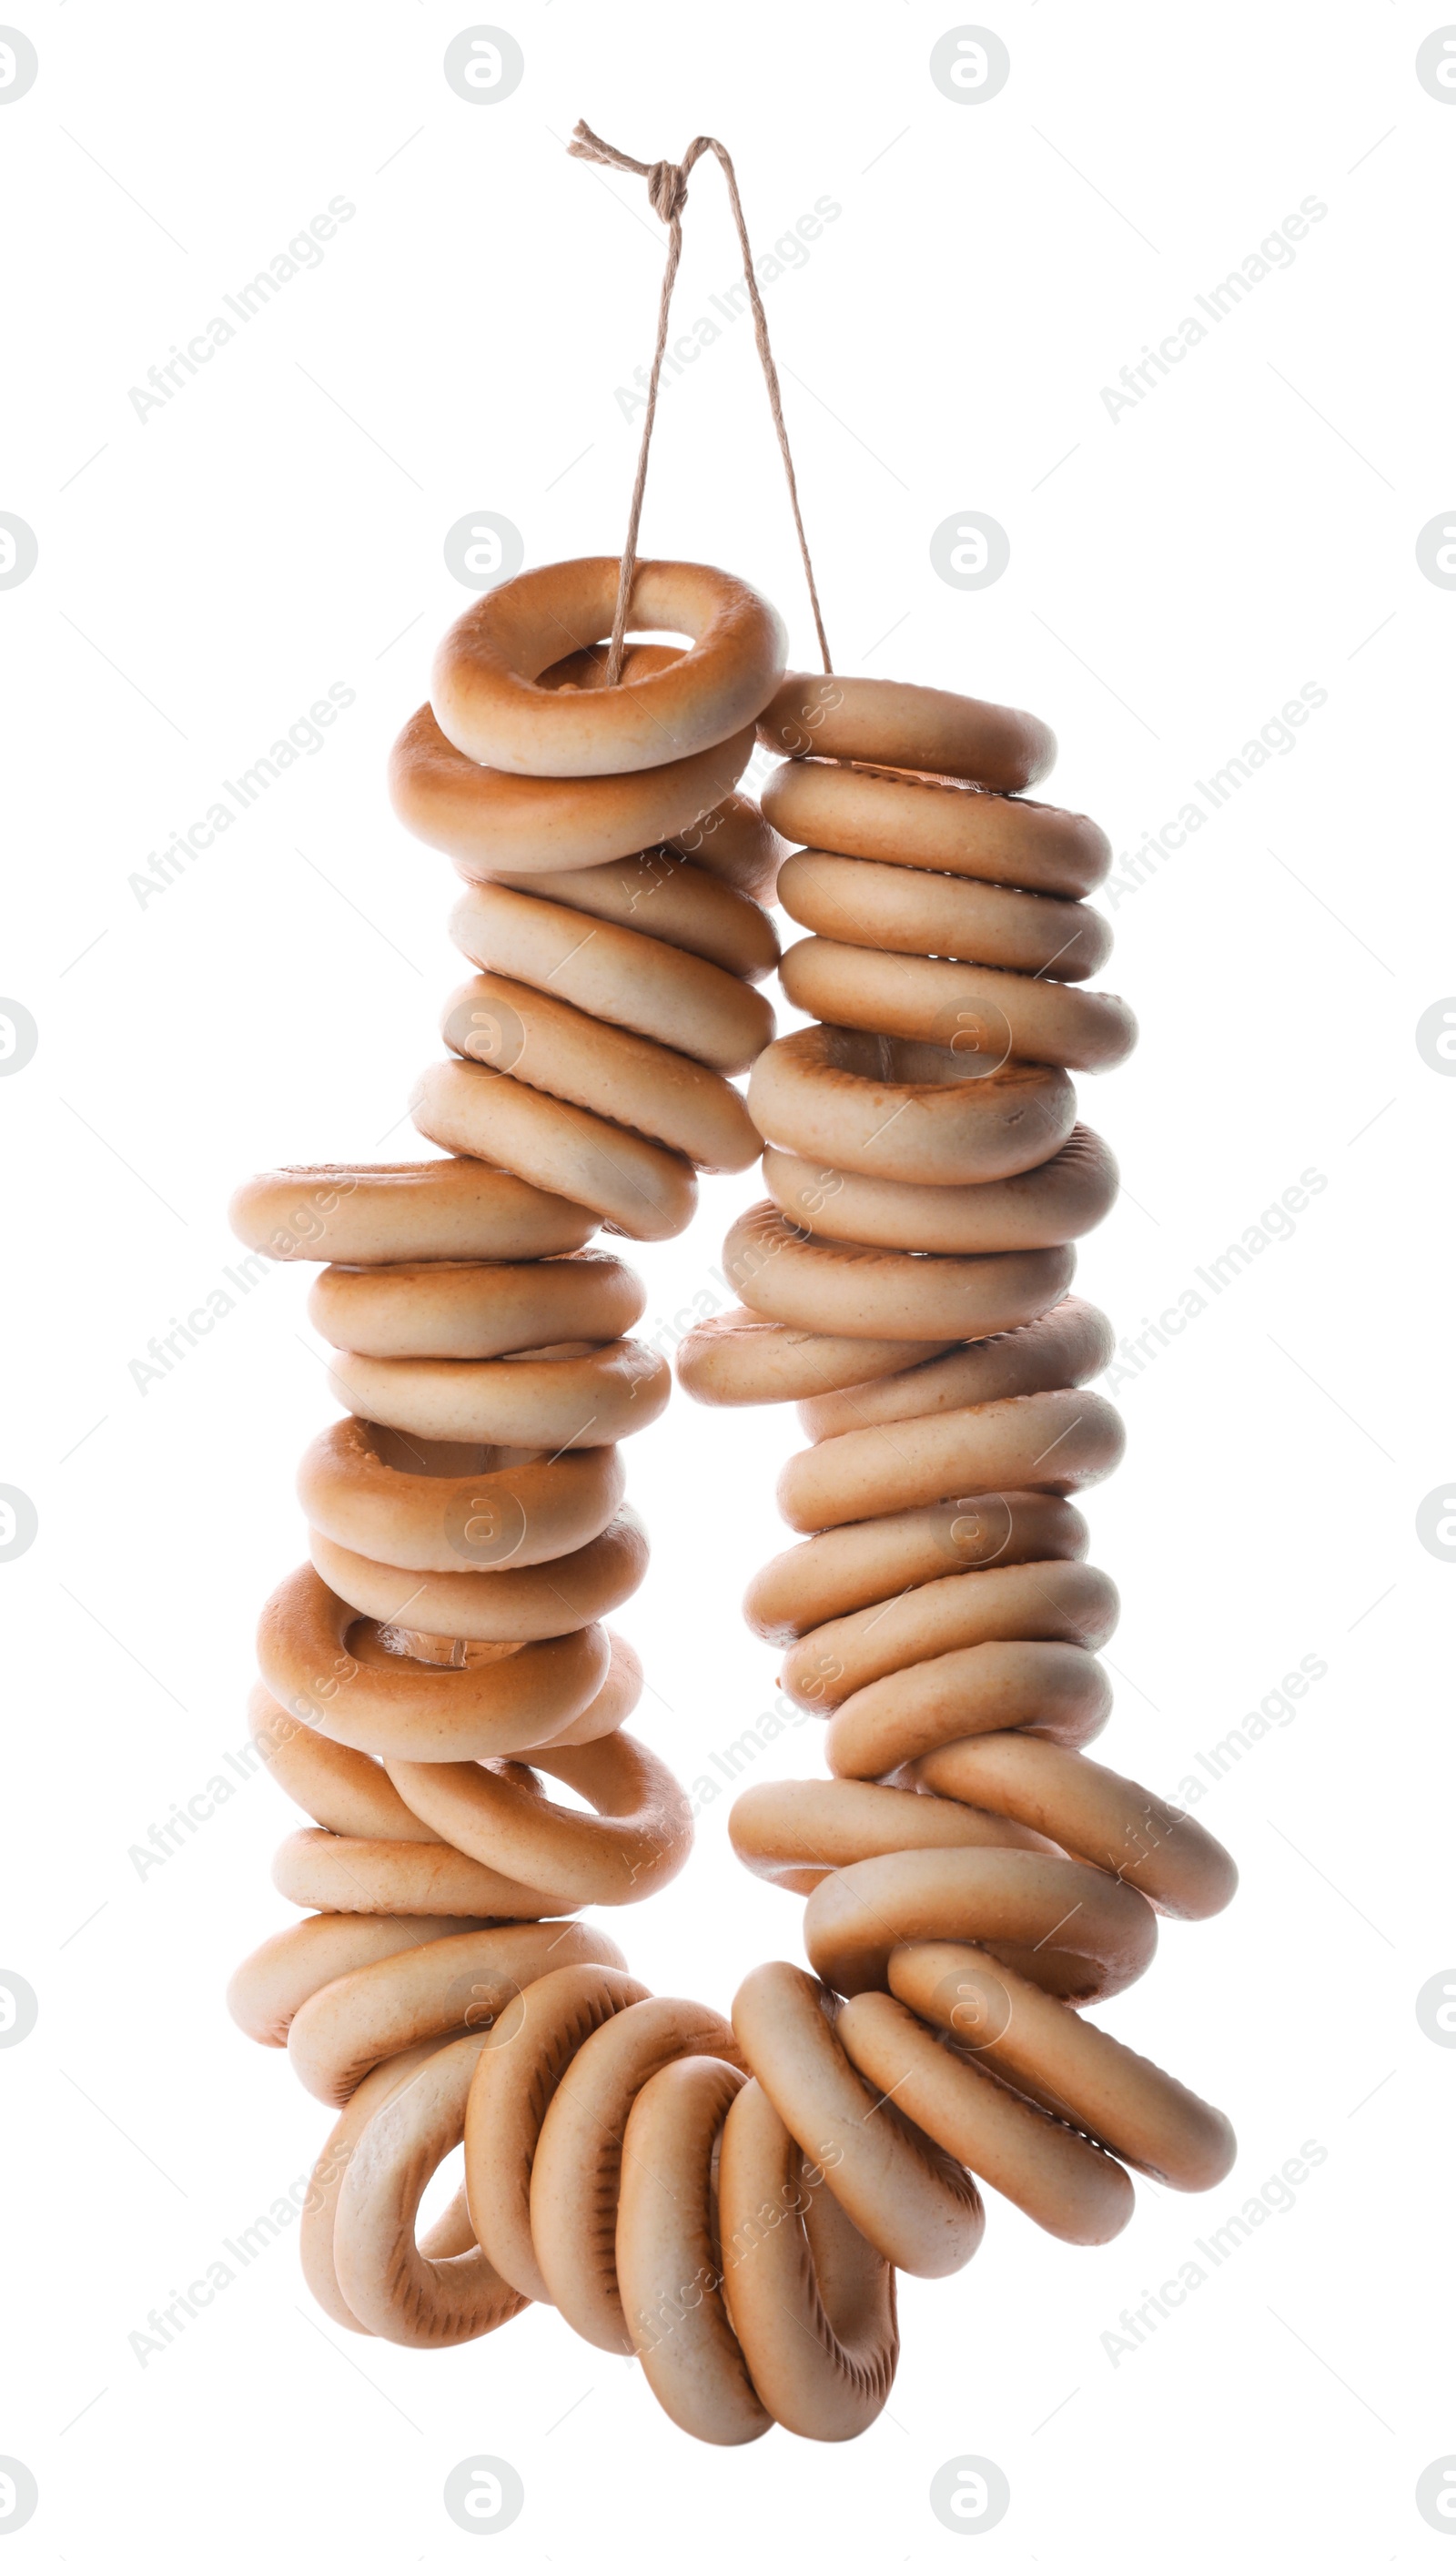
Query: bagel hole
{"points": [[562, 1351], [881, 1058], [1067, 1973], [409, 1456], [916, 775], [715, 2224], [520, 1774], [548, 1786], [441, 2220], [373, 1641], [584, 670]]}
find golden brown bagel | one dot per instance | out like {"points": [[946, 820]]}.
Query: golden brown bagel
{"points": [[907, 725], [488, 821], [489, 705]]}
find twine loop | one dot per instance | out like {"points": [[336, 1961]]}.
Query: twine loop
{"points": [[667, 189]]}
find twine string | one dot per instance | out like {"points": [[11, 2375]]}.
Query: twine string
{"points": [[667, 189]]}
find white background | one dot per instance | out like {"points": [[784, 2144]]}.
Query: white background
{"points": [[1176, 576]]}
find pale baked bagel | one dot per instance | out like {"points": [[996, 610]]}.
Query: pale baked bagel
{"points": [[741, 1358], [575, 1396], [633, 1841], [886, 907], [615, 974], [1053, 1203], [863, 1562], [488, 702], [982, 1016], [916, 2204], [907, 1111], [529, 1693], [1084, 1943], [1054, 2054], [860, 1289], [488, 821], [936, 825], [476, 1310], [365, 1488], [1058, 1442], [630, 1183], [916, 726], [445, 1209], [408, 1989], [641, 1085], [1064, 1348]]}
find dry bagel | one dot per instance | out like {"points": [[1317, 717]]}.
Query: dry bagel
{"points": [[1052, 1204], [270, 1986], [838, 1097], [856, 1289], [488, 821], [642, 1085], [907, 725], [528, 1695], [489, 705], [341, 1874], [1057, 1442], [1041, 1686], [1063, 2182], [1060, 1601], [982, 1016], [636, 1188], [739, 1358], [565, 1396], [918, 2206], [636, 1839], [614, 975], [448, 1310], [1064, 1348], [495, 1605], [1048, 2050], [360, 1489], [1074, 1931], [852, 1566], [796, 1831], [451, 1984], [887, 907], [937, 826], [446, 1209]]}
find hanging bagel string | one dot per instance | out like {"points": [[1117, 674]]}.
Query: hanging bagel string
{"points": [[630, 2156], [667, 188]]}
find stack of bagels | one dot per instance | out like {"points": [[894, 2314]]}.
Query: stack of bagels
{"points": [[725, 2200], [973, 1881]]}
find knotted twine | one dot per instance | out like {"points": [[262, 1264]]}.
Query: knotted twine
{"points": [[667, 188]]}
